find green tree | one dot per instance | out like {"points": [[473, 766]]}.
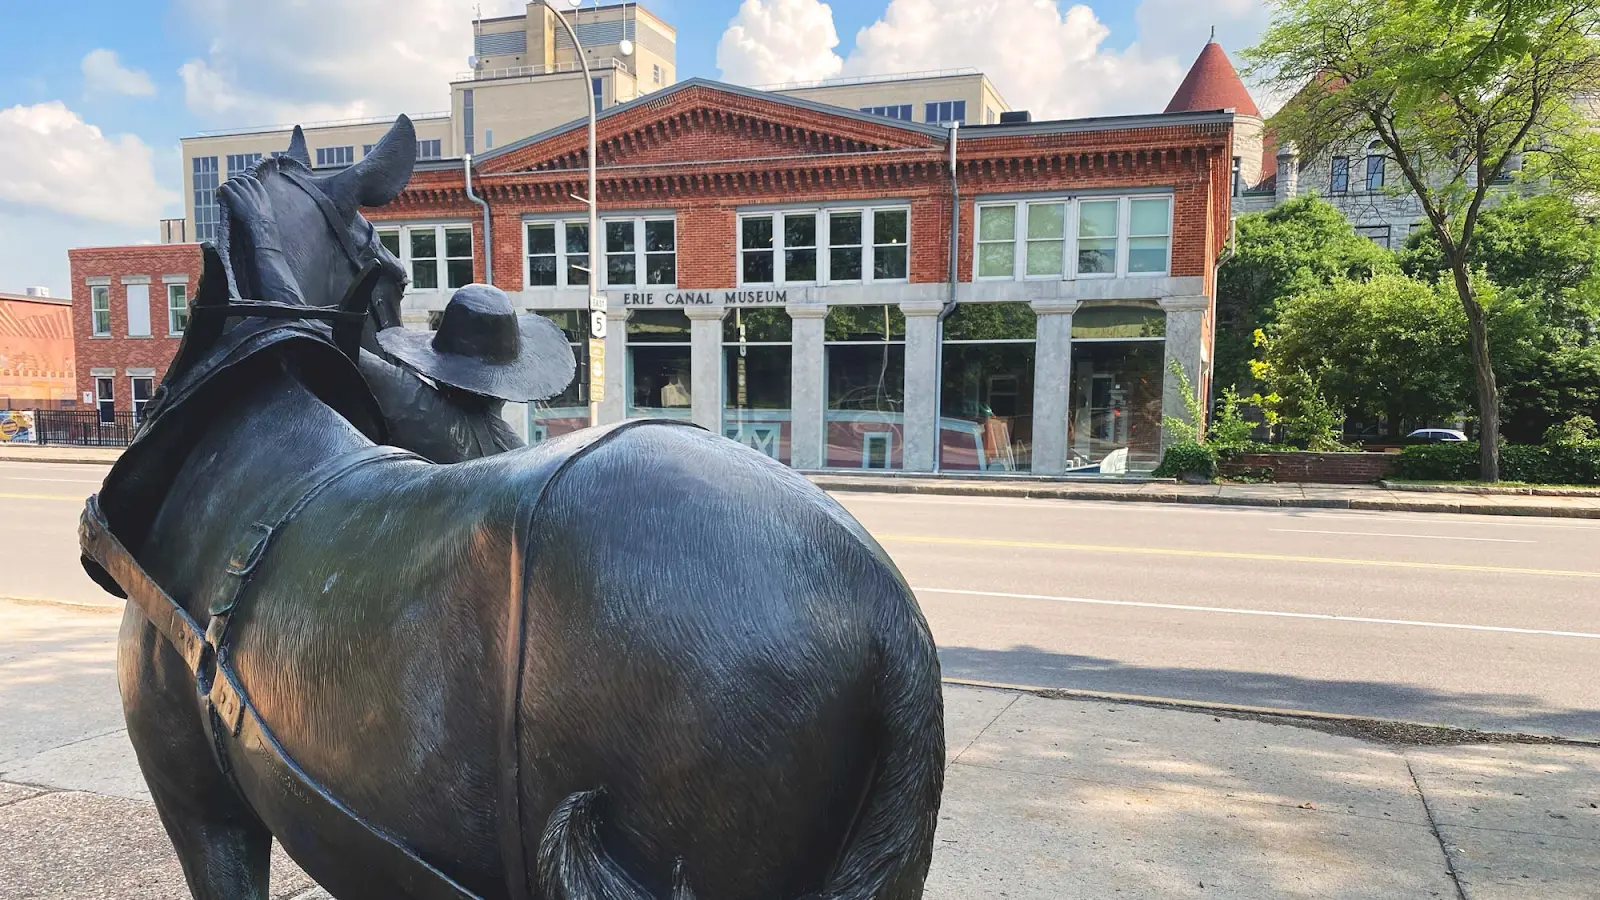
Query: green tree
{"points": [[1544, 252], [1456, 91], [1297, 247], [1391, 346]]}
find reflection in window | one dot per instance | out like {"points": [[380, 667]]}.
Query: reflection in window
{"points": [[620, 263], [755, 250], [1149, 235], [986, 407], [1339, 175], [1114, 423], [424, 259], [658, 363], [800, 247], [997, 241], [1097, 237], [1047, 235], [541, 254], [844, 246], [756, 349], [866, 362], [1375, 162], [891, 242], [569, 410]]}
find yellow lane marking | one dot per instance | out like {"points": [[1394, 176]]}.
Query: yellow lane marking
{"points": [[1226, 554], [78, 499]]}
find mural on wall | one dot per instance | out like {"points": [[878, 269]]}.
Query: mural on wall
{"points": [[16, 426], [36, 355]]}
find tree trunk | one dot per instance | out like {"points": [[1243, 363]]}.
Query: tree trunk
{"points": [[1483, 378]]}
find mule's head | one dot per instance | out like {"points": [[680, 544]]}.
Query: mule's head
{"points": [[316, 221]]}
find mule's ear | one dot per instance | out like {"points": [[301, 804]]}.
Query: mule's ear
{"points": [[297, 148], [381, 175]]}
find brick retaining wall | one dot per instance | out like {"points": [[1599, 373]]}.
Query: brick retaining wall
{"points": [[1318, 468]]}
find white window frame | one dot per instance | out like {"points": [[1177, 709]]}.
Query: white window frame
{"points": [[343, 155], [441, 262], [172, 330], [1069, 268], [1125, 238], [98, 292], [824, 215], [640, 255]]}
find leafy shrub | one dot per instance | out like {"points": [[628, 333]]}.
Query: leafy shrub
{"points": [[1574, 432], [1228, 427], [1574, 463], [1188, 458]]}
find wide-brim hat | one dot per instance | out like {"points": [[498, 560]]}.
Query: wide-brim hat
{"points": [[485, 347]]}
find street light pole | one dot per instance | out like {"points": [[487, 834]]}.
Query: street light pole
{"points": [[597, 306]]}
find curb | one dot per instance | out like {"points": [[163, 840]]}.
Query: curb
{"points": [[1489, 490], [1059, 493], [1238, 709], [26, 457]]}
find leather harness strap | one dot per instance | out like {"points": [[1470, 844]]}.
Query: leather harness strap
{"points": [[232, 720]]}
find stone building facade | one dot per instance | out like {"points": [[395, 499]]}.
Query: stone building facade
{"points": [[775, 269]]}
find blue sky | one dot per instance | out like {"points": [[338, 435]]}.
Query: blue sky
{"points": [[92, 102]]}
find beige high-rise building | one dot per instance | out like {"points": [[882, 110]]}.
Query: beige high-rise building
{"points": [[934, 98], [524, 78]]}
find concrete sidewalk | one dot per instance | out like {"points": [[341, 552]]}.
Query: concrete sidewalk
{"points": [[100, 456], [1046, 797]]}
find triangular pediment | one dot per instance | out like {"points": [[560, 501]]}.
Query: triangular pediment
{"points": [[700, 121]]}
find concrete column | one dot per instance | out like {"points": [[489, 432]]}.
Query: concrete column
{"points": [[1185, 340], [922, 377], [807, 398], [1052, 379], [705, 363], [614, 407], [516, 415]]}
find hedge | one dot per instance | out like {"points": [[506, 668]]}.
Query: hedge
{"points": [[1531, 463], [1187, 458]]}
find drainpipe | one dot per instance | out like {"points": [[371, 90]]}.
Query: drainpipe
{"points": [[488, 235], [949, 303]]}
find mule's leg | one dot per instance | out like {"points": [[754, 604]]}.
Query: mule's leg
{"points": [[223, 847]]}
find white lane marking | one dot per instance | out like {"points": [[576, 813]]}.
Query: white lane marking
{"points": [[1326, 617], [66, 480], [1428, 537]]}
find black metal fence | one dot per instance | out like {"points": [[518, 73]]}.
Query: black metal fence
{"points": [[83, 427]]}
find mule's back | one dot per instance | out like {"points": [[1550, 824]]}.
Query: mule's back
{"points": [[708, 635]]}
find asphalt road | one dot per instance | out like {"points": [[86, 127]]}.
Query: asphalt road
{"points": [[1476, 622]]}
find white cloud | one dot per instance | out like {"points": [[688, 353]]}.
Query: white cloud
{"points": [[770, 41], [53, 160], [1042, 56], [270, 63], [103, 73]]}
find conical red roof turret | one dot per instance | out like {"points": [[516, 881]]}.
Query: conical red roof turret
{"points": [[1212, 83]]}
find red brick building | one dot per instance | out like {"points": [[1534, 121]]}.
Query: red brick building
{"points": [[129, 309], [776, 269]]}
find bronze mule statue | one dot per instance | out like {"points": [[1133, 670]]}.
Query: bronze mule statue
{"points": [[633, 662]]}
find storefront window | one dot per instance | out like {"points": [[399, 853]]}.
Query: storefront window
{"points": [[986, 407], [1114, 422], [658, 363], [756, 349], [866, 362], [567, 411]]}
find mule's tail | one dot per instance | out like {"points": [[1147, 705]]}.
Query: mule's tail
{"points": [[573, 865], [890, 846]]}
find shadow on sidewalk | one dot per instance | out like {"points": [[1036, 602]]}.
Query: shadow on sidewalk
{"points": [[1029, 665]]}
